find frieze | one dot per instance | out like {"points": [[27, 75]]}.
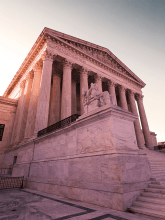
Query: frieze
{"points": [[101, 56], [66, 51]]}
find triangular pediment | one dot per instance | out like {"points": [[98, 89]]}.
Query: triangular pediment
{"points": [[97, 52], [99, 55]]}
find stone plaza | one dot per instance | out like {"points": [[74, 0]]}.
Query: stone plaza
{"points": [[74, 125]]}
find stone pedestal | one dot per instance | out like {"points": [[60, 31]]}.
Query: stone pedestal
{"points": [[95, 160]]}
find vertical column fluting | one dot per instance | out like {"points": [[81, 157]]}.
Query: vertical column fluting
{"points": [[66, 99], [55, 97], [138, 132], [111, 86], [83, 85], [44, 94], [28, 88], [98, 81], [144, 122], [19, 115], [31, 116], [123, 99], [74, 98]]}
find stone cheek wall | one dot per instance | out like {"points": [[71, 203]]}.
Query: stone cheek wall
{"points": [[153, 139], [86, 162], [7, 114]]}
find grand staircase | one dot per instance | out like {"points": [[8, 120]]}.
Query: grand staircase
{"points": [[151, 202]]}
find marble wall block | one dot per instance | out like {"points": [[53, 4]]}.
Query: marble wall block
{"points": [[95, 160]]}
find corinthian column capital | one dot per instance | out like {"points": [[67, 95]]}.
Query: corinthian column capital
{"points": [[98, 77], [22, 84], [121, 88], [38, 66], [111, 84], [83, 70], [130, 93], [47, 55], [138, 97], [30, 75], [67, 64]]}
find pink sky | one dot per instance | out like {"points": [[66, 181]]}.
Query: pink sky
{"points": [[133, 30]]}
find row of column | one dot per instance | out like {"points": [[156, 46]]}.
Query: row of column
{"points": [[35, 110]]}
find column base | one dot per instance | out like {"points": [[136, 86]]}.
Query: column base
{"points": [[141, 148], [150, 148]]}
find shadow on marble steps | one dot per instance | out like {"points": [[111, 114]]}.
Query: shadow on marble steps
{"points": [[151, 202]]}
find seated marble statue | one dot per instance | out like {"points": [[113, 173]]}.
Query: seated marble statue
{"points": [[92, 98]]}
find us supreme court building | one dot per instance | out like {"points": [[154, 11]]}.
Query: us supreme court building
{"points": [[48, 138]]}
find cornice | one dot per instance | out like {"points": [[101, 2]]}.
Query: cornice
{"points": [[49, 34]]}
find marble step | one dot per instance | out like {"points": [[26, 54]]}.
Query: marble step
{"points": [[155, 182], [148, 205], [153, 195], [157, 166], [144, 211], [158, 169], [154, 190], [157, 175], [160, 178], [151, 200]]}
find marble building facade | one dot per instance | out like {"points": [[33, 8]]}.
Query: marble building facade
{"points": [[49, 85], [48, 88]]}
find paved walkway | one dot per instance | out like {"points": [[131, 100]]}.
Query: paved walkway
{"points": [[25, 204]]}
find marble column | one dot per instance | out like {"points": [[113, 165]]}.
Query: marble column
{"points": [[55, 97], [28, 88], [42, 113], [144, 122], [66, 99], [98, 81], [138, 132], [74, 98], [31, 116], [112, 91], [19, 115], [83, 85], [123, 99]]}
